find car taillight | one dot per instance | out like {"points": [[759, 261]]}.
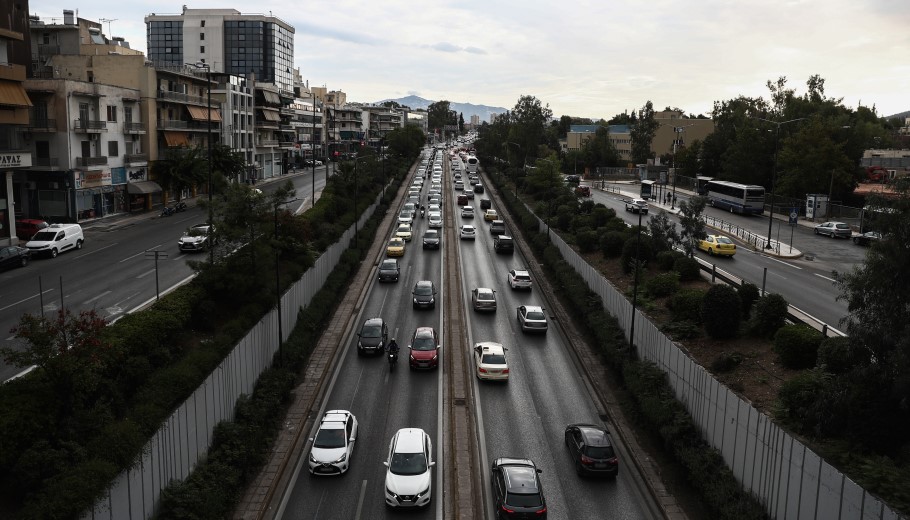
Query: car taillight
{"points": [[505, 370], [614, 460], [482, 370], [542, 511], [506, 510], [586, 460]]}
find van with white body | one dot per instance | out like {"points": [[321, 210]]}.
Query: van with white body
{"points": [[56, 239]]}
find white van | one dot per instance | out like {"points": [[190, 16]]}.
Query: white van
{"points": [[56, 239]]}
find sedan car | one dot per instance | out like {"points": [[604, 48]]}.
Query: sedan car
{"points": [[459, 186], [867, 239], [333, 444], [532, 319], [404, 232], [424, 349], [424, 295], [490, 215], [517, 492], [405, 217], [389, 270], [717, 245], [490, 361], [196, 238], [520, 279], [467, 232], [14, 256], [483, 299], [395, 248], [834, 229], [591, 448], [467, 212], [435, 220], [431, 239], [408, 481]]}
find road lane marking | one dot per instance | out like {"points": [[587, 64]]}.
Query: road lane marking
{"points": [[363, 490], [140, 253], [90, 300], [826, 278], [98, 250], [782, 262], [23, 300], [150, 271]]}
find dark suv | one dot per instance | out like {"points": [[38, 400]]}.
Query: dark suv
{"points": [[503, 244], [516, 489], [424, 295], [373, 336], [592, 450], [497, 227], [389, 270]]}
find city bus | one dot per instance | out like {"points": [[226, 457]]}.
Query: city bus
{"points": [[701, 184], [747, 199], [649, 190], [471, 164]]}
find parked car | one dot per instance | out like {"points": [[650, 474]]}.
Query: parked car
{"points": [[867, 239], [467, 232], [490, 361], [27, 227], [408, 481], [531, 318], [717, 245], [389, 270], [14, 256], [591, 449], [517, 492], [395, 248], [373, 336], [424, 349], [834, 229], [483, 299], [520, 279], [424, 294], [431, 239], [197, 238], [333, 444], [56, 239]]}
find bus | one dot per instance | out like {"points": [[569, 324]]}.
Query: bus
{"points": [[747, 199], [701, 184], [471, 164], [648, 190]]}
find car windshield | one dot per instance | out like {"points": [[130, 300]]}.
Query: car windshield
{"points": [[431, 234], [524, 500], [195, 232], [405, 213], [370, 331], [535, 315], [388, 265], [408, 464], [424, 343], [423, 290], [404, 229], [329, 439], [724, 240], [44, 236], [493, 359], [484, 295], [599, 452]]}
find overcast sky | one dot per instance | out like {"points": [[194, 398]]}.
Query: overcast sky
{"points": [[588, 58]]}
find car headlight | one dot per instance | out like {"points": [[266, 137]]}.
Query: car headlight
{"points": [[415, 300], [341, 459], [313, 459], [435, 357], [424, 492], [390, 493], [432, 300]]}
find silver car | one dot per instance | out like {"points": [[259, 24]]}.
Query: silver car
{"points": [[532, 319], [483, 299], [834, 230]]}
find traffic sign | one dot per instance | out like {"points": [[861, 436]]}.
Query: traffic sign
{"points": [[794, 215]]}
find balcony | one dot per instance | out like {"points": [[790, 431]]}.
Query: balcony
{"points": [[287, 145], [177, 124], [136, 159], [271, 143], [36, 124], [134, 128], [91, 161], [180, 97], [46, 162], [89, 126], [12, 72]]}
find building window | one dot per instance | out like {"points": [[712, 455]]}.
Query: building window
{"points": [[202, 48], [111, 113], [202, 23], [201, 36], [112, 148]]}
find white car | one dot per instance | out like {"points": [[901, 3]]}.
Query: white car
{"points": [[408, 481], [404, 232], [434, 208], [468, 233], [333, 444], [520, 279], [405, 217], [459, 186], [467, 212], [532, 318], [435, 220], [196, 238], [490, 361]]}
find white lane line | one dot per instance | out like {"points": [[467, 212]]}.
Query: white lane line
{"points": [[90, 300], [363, 490], [140, 253], [150, 271], [782, 262], [826, 278], [23, 300], [98, 250]]}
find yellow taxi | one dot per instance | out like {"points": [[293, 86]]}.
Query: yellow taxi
{"points": [[490, 215], [395, 247], [717, 245], [404, 232]]}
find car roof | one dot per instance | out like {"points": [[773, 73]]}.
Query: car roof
{"points": [[484, 290], [334, 419], [531, 308], [373, 321], [594, 435], [490, 346], [409, 440], [520, 475], [520, 271], [424, 283], [389, 261], [424, 332]]}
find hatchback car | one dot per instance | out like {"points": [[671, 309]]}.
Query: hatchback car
{"points": [[517, 492], [490, 215], [478, 188], [373, 336], [424, 295], [395, 248], [490, 361], [333, 444], [467, 232], [405, 217], [717, 245], [834, 230], [483, 299], [431, 239], [591, 448], [408, 481], [503, 244], [467, 212], [520, 279], [532, 319], [14, 256], [389, 270], [404, 232], [424, 349]]}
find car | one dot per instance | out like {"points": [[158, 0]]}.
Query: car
{"points": [[483, 299], [408, 481], [532, 318], [404, 232], [467, 232], [395, 248], [196, 238], [434, 208], [497, 227], [373, 336], [637, 206], [27, 227], [469, 194], [389, 270], [467, 212], [490, 215], [717, 245], [503, 244], [333, 444], [867, 239], [591, 449], [434, 220], [410, 206], [490, 361], [485, 204], [424, 294], [573, 179], [14, 256], [583, 191], [478, 188], [431, 239], [520, 279], [459, 186], [834, 229], [424, 349], [517, 492], [55, 239]]}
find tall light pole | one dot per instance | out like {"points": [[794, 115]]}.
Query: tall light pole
{"points": [[313, 149], [678, 130], [774, 170], [635, 285], [520, 149]]}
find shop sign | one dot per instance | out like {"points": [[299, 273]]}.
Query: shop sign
{"points": [[95, 178], [15, 160]]}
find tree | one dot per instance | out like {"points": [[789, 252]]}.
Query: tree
{"points": [[599, 151], [529, 118], [406, 141], [811, 161], [664, 235], [622, 119], [460, 123], [226, 164], [181, 168], [440, 115], [688, 159], [692, 223], [643, 132]]}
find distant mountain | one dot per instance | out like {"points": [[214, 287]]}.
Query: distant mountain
{"points": [[900, 116], [465, 109]]}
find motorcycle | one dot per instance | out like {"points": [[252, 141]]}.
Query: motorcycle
{"points": [[168, 211], [423, 212], [393, 360], [180, 206]]}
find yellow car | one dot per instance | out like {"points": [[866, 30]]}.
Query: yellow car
{"points": [[395, 247], [490, 215], [717, 245], [404, 232]]}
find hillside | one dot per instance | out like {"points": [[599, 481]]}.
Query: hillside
{"points": [[465, 109]]}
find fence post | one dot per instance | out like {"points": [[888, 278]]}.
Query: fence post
{"points": [[713, 272], [764, 278]]}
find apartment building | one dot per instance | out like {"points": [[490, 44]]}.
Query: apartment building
{"points": [[345, 132], [379, 121]]}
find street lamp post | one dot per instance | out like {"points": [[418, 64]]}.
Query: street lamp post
{"points": [[635, 284], [520, 149], [313, 150], [774, 171]]}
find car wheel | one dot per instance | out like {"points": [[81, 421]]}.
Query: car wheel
{"points": [[23, 261], [710, 252], [78, 244], [54, 253], [816, 232]]}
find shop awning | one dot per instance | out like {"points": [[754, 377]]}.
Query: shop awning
{"points": [[176, 139], [271, 116], [143, 187], [12, 94], [200, 114], [271, 97]]}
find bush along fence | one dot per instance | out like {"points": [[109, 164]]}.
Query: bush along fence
{"points": [[743, 464]]}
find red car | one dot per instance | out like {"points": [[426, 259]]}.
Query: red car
{"points": [[424, 349]]}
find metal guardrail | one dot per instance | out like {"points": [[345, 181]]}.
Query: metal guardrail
{"points": [[753, 239]]}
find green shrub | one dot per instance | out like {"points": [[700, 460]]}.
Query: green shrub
{"points": [[797, 346], [797, 397], [686, 305], [720, 312], [663, 284], [586, 239], [611, 243], [666, 259], [769, 314], [726, 362], [748, 294], [632, 247], [687, 268], [679, 330], [839, 355]]}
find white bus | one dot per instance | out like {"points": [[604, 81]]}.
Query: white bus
{"points": [[471, 164], [648, 190], [747, 199]]}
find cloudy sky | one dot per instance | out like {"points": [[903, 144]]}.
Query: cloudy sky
{"points": [[590, 58]]}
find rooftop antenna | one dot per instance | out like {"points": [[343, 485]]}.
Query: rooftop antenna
{"points": [[108, 20]]}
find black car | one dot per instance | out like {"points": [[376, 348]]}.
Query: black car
{"points": [[431, 239], [867, 239], [517, 492], [592, 450], [478, 188], [424, 295], [373, 336], [485, 204], [503, 244], [14, 256], [389, 270]]}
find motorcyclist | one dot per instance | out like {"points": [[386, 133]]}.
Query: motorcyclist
{"points": [[392, 347], [423, 210]]}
